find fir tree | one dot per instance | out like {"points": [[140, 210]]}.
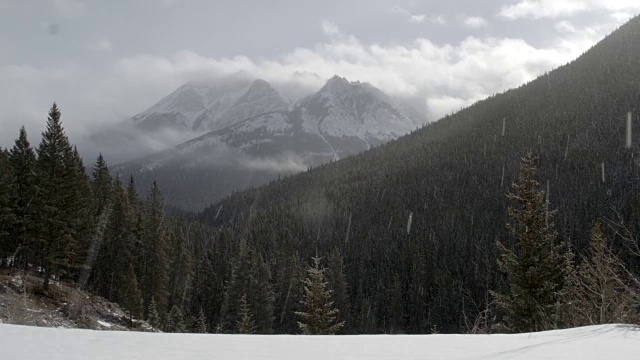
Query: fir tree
{"points": [[245, 325], [137, 250], [181, 275], [250, 276], [262, 296], [8, 195], [23, 161], [132, 297], [101, 182], [113, 250], [175, 321], [200, 325], [535, 268], [319, 317], [338, 285], [155, 250], [79, 213], [153, 318], [54, 166]]}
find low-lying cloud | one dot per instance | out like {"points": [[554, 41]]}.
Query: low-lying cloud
{"points": [[538, 9], [285, 163], [438, 78]]}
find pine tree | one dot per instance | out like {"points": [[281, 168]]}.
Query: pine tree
{"points": [[250, 276], [153, 318], [23, 161], [200, 326], [175, 321], [245, 325], [54, 168], [535, 268], [155, 250], [603, 292], [181, 275], [79, 210], [113, 250], [319, 317], [262, 296], [132, 297], [101, 182], [137, 249], [8, 197], [338, 285]]}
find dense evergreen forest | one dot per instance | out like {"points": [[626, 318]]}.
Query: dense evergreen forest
{"points": [[519, 213], [416, 221]]}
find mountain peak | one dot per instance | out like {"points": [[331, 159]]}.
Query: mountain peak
{"points": [[336, 83], [260, 82]]}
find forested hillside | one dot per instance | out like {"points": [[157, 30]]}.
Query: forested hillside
{"points": [[451, 228], [417, 220]]}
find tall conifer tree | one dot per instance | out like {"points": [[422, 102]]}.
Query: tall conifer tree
{"points": [[155, 244], [23, 161], [535, 266], [53, 168], [319, 316], [8, 195]]}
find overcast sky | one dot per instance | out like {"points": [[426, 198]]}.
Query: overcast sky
{"points": [[103, 61]]}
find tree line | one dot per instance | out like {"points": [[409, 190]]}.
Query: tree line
{"points": [[95, 231], [185, 276]]}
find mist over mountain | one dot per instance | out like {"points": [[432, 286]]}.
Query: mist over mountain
{"points": [[255, 135]]}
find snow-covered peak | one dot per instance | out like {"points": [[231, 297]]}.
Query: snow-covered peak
{"points": [[354, 109], [261, 89], [257, 98], [339, 86], [180, 109]]}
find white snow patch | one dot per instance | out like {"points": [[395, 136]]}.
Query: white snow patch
{"points": [[592, 342], [105, 324]]}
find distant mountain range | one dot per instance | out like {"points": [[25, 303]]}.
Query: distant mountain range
{"points": [[251, 134]]}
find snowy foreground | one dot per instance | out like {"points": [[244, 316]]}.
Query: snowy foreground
{"points": [[593, 342]]}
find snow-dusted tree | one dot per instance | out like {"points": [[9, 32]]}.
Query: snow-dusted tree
{"points": [[319, 317], [246, 325], [535, 266], [175, 321], [602, 290], [201, 323], [154, 318]]}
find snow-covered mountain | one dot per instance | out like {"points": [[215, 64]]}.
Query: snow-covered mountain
{"points": [[258, 136], [256, 99], [191, 104]]}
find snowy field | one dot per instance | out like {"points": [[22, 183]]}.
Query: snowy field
{"points": [[593, 342]]}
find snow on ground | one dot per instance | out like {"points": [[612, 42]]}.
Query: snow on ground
{"points": [[593, 342]]}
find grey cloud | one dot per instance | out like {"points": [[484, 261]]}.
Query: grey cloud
{"points": [[437, 71]]}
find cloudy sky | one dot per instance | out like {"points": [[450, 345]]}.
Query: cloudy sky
{"points": [[103, 61]]}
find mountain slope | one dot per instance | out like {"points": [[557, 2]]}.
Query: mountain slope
{"points": [[342, 119], [181, 109], [259, 98], [418, 218]]}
